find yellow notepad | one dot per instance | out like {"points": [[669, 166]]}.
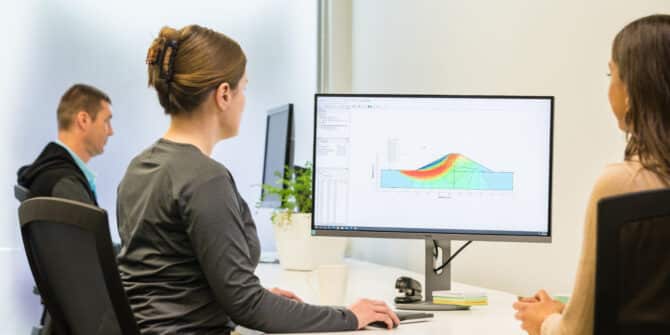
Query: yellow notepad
{"points": [[460, 298], [441, 301]]}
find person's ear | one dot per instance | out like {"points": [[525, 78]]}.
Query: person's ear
{"points": [[626, 100], [82, 120], [223, 96]]}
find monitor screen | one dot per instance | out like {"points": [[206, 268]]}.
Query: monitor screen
{"points": [[462, 167], [278, 150]]}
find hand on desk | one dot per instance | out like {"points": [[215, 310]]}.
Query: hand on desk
{"points": [[285, 293], [368, 311], [532, 311]]}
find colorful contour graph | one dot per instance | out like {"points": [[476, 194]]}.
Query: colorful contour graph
{"points": [[451, 172]]}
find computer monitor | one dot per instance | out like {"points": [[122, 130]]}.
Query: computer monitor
{"points": [[433, 167], [278, 150]]}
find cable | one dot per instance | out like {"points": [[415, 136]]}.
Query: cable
{"points": [[435, 252]]}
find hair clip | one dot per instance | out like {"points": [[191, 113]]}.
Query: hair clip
{"points": [[169, 72]]}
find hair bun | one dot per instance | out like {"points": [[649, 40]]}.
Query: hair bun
{"points": [[155, 50], [162, 53], [182, 70], [166, 35]]}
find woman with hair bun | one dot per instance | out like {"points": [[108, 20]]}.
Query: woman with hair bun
{"points": [[189, 243]]}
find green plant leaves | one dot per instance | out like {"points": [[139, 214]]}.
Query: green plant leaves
{"points": [[296, 193]]}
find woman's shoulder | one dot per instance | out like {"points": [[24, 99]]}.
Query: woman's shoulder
{"points": [[184, 165], [619, 170], [625, 177]]}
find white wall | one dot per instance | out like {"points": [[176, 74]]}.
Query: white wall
{"points": [[335, 42], [50, 45], [528, 47]]}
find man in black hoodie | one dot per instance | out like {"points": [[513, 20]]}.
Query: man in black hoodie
{"points": [[84, 124]]}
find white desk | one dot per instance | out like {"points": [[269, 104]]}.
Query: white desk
{"points": [[368, 280]]}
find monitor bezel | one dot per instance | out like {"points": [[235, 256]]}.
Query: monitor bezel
{"points": [[428, 234], [288, 155]]}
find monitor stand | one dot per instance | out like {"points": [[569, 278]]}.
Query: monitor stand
{"points": [[434, 281]]}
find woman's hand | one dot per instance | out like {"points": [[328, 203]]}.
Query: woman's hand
{"points": [[368, 311], [532, 311], [285, 293]]}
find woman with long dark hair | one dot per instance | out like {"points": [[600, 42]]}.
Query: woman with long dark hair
{"points": [[639, 95]]}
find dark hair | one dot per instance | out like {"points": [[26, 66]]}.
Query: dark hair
{"points": [[79, 97], [186, 64], [641, 51]]}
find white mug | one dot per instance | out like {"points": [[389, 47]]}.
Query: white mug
{"points": [[332, 284]]}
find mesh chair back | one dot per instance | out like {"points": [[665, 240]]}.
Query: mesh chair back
{"points": [[633, 264], [70, 254]]}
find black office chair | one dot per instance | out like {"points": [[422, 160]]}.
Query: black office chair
{"points": [[70, 255], [633, 264], [44, 328], [21, 193]]}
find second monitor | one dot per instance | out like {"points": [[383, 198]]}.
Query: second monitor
{"points": [[279, 145]]}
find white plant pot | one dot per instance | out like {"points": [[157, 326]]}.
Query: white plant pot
{"points": [[299, 250]]}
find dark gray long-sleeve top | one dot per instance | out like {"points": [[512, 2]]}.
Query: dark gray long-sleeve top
{"points": [[190, 248]]}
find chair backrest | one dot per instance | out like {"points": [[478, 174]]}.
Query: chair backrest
{"points": [[21, 193], [633, 264], [70, 254]]}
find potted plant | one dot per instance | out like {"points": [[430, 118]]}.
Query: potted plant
{"points": [[296, 247]]}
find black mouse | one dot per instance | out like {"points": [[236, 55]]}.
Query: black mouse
{"points": [[381, 324]]}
